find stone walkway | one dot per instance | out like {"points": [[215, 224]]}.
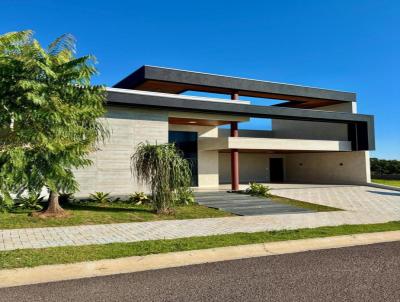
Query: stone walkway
{"points": [[244, 204], [362, 205]]}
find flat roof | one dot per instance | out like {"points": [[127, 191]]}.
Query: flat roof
{"points": [[175, 81]]}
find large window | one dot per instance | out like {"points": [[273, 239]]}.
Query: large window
{"points": [[187, 142]]}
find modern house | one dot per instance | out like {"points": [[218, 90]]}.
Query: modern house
{"points": [[315, 135]]}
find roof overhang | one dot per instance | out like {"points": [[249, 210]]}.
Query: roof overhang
{"points": [[167, 80]]}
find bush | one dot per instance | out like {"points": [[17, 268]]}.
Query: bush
{"points": [[6, 204], [184, 196], [164, 170], [65, 198], [30, 202], [100, 197], [258, 190], [139, 198]]}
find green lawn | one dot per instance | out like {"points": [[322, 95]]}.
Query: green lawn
{"points": [[303, 204], [95, 213], [388, 182], [35, 257], [121, 212]]}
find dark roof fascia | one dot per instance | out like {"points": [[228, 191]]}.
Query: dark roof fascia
{"points": [[233, 83], [176, 103]]}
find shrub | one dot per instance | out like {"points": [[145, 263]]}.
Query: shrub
{"points": [[65, 198], [184, 196], [258, 190], [30, 202], [163, 168], [100, 197], [5, 204], [139, 198]]}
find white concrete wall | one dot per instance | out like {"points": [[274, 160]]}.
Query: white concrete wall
{"points": [[324, 167], [329, 167], [253, 167], [207, 160], [343, 107], [110, 171]]}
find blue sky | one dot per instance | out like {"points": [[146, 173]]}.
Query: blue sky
{"points": [[351, 45]]}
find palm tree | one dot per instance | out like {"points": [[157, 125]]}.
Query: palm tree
{"points": [[165, 171]]}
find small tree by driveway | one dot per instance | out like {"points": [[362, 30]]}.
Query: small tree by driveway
{"points": [[164, 170], [49, 116]]}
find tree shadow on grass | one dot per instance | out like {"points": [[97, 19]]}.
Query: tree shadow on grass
{"points": [[99, 208]]}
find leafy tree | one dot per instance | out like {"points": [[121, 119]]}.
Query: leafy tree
{"points": [[49, 116], [385, 167], [164, 169]]}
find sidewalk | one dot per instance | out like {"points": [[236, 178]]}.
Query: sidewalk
{"points": [[171, 229]]}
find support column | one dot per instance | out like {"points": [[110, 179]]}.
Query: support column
{"points": [[235, 152]]}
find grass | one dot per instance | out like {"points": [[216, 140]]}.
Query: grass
{"points": [[388, 182], [303, 204], [71, 254], [121, 212], [95, 213]]}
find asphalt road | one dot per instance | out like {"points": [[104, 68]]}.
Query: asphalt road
{"points": [[367, 273]]}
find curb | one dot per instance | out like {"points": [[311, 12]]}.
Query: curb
{"points": [[382, 186], [60, 272]]}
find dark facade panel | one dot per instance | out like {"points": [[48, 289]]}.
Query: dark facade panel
{"points": [[366, 122], [160, 79]]}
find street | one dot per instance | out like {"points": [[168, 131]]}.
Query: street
{"points": [[364, 273]]}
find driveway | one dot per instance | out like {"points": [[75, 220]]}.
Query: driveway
{"points": [[245, 205], [348, 197], [363, 273]]}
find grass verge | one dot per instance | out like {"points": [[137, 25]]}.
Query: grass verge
{"points": [[388, 182], [71, 254]]}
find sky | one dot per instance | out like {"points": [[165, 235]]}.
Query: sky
{"points": [[349, 45]]}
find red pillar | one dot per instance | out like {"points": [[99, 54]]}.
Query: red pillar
{"points": [[235, 152]]}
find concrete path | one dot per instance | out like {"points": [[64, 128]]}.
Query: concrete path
{"points": [[362, 205], [245, 205]]}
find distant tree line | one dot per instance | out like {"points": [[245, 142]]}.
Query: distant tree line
{"points": [[385, 167]]}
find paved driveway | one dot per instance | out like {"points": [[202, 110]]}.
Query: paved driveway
{"points": [[362, 205], [347, 197], [244, 204]]}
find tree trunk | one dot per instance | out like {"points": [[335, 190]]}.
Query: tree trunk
{"points": [[53, 209]]}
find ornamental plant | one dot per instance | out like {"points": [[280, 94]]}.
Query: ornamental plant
{"points": [[164, 170]]}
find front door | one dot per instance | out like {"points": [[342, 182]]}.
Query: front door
{"points": [[276, 169], [187, 142]]}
